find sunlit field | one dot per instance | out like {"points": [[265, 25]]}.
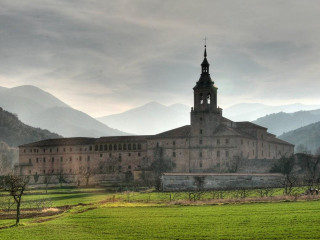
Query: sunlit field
{"points": [[95, 214]]}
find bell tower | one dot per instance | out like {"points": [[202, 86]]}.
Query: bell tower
{"points": [[205, 115], [205, 93]]}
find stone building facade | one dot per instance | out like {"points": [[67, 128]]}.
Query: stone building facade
{"points": [[210, 144]]}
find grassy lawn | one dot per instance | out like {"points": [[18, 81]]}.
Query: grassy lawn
{"points": [[150, 215], [286, 220]]}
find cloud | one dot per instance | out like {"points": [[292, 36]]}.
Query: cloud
{"points": [[104, 57]]}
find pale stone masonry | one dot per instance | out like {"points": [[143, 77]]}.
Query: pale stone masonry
{"points": [[211, 143]]}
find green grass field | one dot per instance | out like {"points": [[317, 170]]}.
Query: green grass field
{"points": [[132, 218]]}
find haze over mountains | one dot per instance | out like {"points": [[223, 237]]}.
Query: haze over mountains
{"points": [[38, 108], [279, 123], [253, 111], [151, 118]]}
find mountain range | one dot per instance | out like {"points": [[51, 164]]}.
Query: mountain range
{"points": [[151, 118], [253, 111], [38, 108], [279, 123]]}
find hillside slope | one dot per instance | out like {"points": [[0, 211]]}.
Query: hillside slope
{"points": [[39, 108], [71, 123], [14, 132], [278, 123], [308, 136]]}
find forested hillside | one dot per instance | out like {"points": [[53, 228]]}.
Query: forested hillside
{"points": [[14, 132], [308, 136]]}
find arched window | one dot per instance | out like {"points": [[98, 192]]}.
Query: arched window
{"points": [[201, 98], [208, 98], [115, 147], [110, 147], [120, 146]]}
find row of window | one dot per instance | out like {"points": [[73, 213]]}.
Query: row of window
{"points": [[105, 147], [70, 158]]}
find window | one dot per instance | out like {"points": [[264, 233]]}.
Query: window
{"points": [[96, 147], [50, 149], [227, 153], [200, 165], [218, 141], [134, 146], [110, 147], [129, 154], [227, 141], [88, 159], [115, 147], [101, 148], [200, 141], [106, 147], [129, 146], [174, 143], [139, 146], [124, 146], [208, 98], [139, 154], [101, 155], [70, 149], [129, 167], [200, 154], [80, 158], [120, 147], [61, 159], [44, 159], [70, 159], [201, 119], [37, 160], [201, 98], [64, 149], [52, 159], [57, 149], [30, 161], [218, 153], [173, 154], [29, 171], [90, 148], [200, 131]]}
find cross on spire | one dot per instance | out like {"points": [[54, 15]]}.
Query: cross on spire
{"points": [[205, 41]]}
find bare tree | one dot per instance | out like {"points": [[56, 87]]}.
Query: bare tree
{"points": [[310, 164], [15, 185], [285, 166]]}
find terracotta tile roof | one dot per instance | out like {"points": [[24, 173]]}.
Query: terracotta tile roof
{"points": [[180, 132]]}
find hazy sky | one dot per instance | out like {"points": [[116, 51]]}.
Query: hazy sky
{"points": [[104, 57]]}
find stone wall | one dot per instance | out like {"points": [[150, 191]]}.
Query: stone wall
{"points": [[184, 182]]}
